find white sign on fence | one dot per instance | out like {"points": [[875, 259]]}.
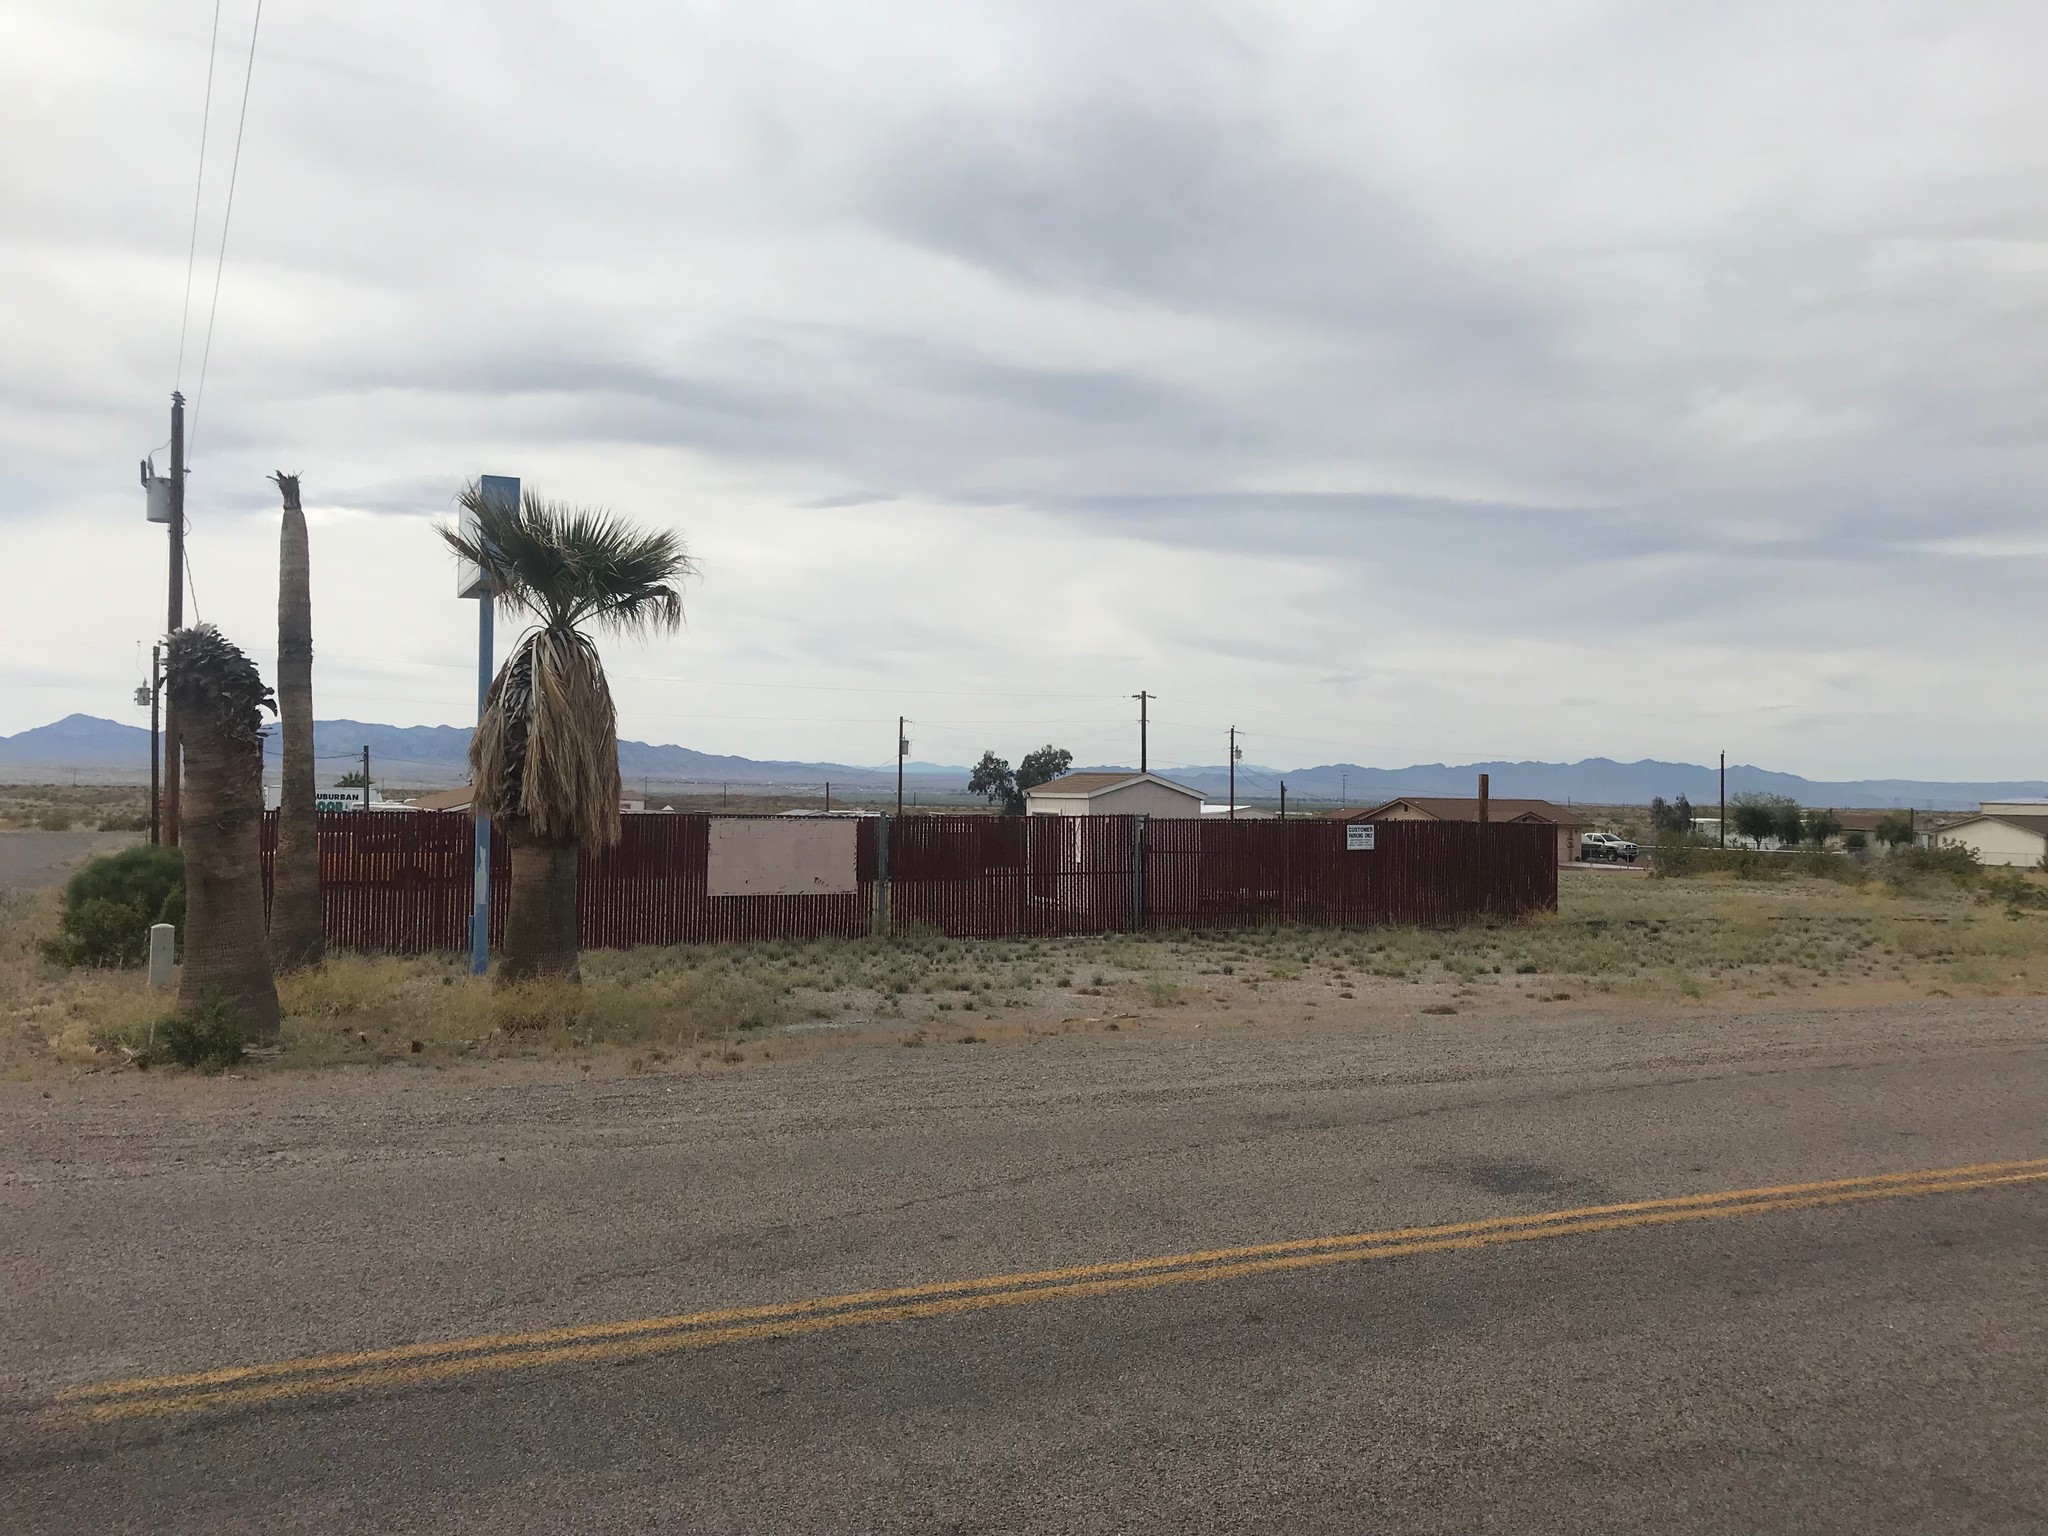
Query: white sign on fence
{"points": [[1358, 836], [777, 857]]}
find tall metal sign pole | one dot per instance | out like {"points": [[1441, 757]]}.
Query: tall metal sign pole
{"points": [[501, 490]]}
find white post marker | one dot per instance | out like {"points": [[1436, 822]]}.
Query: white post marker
{"points": [[1358, 836], [163, 953]]}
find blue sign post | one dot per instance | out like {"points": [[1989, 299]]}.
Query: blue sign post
{"points": [[500, 490]]}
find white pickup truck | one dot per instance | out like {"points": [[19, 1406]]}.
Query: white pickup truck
{"points": [[1606, 848]]}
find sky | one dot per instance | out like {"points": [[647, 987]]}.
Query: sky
{"points": [[1395, 382]]}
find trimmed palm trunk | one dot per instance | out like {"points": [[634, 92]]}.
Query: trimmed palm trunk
{"points": [[220, 700], [296, 936], [542, 935]]}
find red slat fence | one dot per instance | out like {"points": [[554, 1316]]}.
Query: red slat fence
{"points": [[400, 882]]}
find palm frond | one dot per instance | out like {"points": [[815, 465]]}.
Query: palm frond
{"points": [[571, 566]]}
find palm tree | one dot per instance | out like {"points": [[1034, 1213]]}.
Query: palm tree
{"points": [[220, 701], [544, 763], [295, 918]]}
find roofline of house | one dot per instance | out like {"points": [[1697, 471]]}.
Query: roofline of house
{"points": [[1049, 792]]}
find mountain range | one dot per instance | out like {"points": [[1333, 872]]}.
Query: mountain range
{"points": [[426, 755]]}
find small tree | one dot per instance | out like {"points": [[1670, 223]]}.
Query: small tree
{"points": [[1791, 821], [355, 778], [1821, 826], [1754, 817], [1895, 828], [1673, 817], [992, 780], [1041, 767]]}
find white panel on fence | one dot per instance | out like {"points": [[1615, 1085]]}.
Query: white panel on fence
{"points": [[1359, 836], [783, 857]]}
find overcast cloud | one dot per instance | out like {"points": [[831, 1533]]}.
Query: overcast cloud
{"points": [[1399, 382]]}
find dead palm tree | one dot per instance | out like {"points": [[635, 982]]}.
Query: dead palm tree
{"points": [[544, 763], [295, 918], [220, 702]]}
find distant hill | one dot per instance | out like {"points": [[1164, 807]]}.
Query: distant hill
{"points": [[438, 754]]}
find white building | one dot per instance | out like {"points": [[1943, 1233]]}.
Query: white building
{"points": [[2009, 832], [1113, 794]]}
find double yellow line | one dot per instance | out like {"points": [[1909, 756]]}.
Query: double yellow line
{"points": [[419, 1364]]}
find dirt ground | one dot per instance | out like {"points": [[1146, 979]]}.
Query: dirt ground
{"points": [[35, 860]]}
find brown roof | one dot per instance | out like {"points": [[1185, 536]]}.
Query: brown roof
{"points": [[1866, 821], [1096, 783], [2035, 824], [1498, 808]]}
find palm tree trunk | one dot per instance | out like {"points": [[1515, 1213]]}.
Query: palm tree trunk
{"points": [[541, 930], [225, 952], [296, 936]]}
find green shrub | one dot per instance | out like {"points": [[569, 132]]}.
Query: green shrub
{"points": [[111, 902], [1822, 865], [2014, 889], [55, 819], [212, 1042], [137, 877], [100, 933], [1947, 861]]}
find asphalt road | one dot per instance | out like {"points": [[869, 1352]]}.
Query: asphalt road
{"points": [[1768, 1363]]}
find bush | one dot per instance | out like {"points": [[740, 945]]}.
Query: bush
{"points": [[1677, 858], [111, 902], [1950, 861], [212, 1042], [100, 933], [2014, 889], [1823, 865]]}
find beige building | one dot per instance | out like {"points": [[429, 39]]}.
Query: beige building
{"points": [[2008, 832], [1113, 794], [1570, 826]]}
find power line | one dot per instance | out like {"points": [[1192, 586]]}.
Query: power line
{"points": [[198, 185], [226, 221]]}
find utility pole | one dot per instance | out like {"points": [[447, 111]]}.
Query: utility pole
{"points": [[828, 797], [1234, 756], [1344, 790], [156, 695], [1143, 698], [173, 741], [1283, 799], [1485, 797], [902, 751], [366, 778], [1723, 834]]}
